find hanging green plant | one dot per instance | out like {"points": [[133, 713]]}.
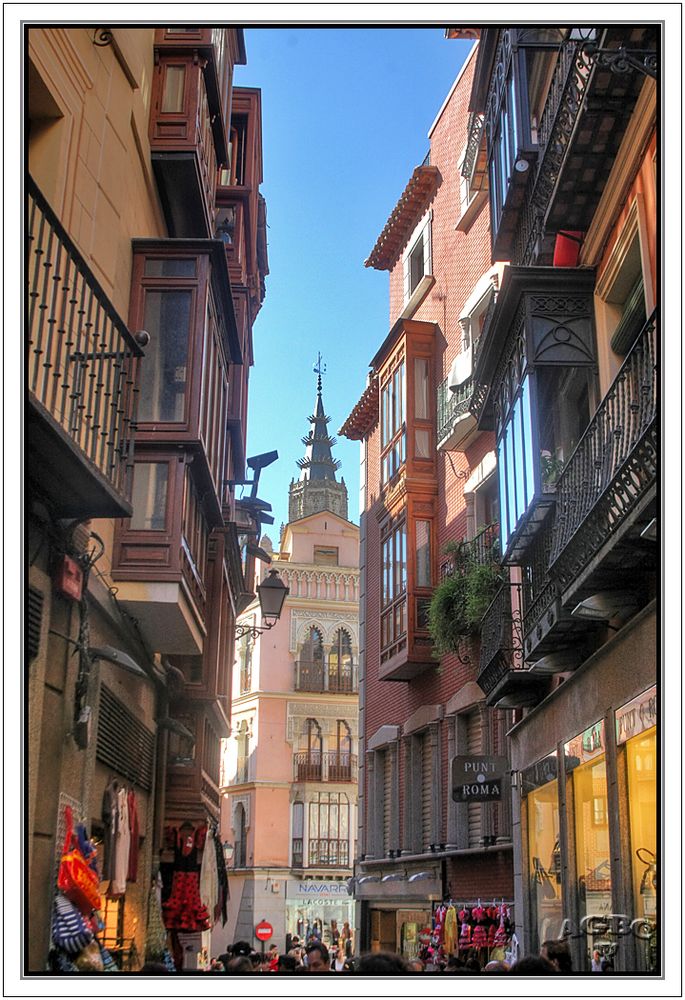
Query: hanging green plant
{"points": [[462, 598], [447, 620]]}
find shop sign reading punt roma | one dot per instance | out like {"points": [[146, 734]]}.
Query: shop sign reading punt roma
{"points": [[478, 778]]}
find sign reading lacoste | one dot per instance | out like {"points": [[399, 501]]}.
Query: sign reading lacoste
{"points": [[478, 778]]}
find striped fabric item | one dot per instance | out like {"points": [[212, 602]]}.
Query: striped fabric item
{"points": [[70, 931]]}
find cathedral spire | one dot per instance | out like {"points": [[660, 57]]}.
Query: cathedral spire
{"points": [[318, 488], [318, 462]]}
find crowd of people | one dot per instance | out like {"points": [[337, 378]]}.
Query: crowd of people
{"points": [[241, 959]]}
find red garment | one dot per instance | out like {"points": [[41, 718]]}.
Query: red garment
{"points": [[134, 827], [184, 910]]}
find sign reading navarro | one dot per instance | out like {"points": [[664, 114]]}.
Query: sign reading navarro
{"points": [[478, 779]]}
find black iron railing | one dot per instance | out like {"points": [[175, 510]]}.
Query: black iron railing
{"points": [[614, 464], [81, 357], [540, 590], [452, 405], [475, 134], [314, 765], [332, 853], [314, 677], [501, 647]]}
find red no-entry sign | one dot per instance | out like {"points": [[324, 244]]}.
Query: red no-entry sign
{"points": [[263, 931]]}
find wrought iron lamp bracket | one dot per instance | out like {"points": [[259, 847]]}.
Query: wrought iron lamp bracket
{"points": [[253, 630]]}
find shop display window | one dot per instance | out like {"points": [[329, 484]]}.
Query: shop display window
{"points": [[541, 790], [586, 762], [636, 737]]}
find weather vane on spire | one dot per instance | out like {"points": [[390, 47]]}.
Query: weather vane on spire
{"points": [[319, 369]]}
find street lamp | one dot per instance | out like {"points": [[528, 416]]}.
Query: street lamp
{"points": [[227, 848], [272, 593]]}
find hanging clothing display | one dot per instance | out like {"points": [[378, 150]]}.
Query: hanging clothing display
{"points": [[156, 937], [122, 846], [222, 875], [110, 813], [184, 909], [460, 928], [209, 878], [134, 831], [450, 931]]}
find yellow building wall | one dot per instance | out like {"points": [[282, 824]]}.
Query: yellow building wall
{"points": [[88, 146]]}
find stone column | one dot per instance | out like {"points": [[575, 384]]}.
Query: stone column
{"points": [[452, 834]]}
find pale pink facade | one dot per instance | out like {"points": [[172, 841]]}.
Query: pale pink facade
{"points": [[289, 783]]}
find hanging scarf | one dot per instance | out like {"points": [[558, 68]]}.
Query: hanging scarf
{"points": [[222, 906], [155, 943], [209, 878]]}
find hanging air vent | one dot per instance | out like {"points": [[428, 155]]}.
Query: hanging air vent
{"points": [[124, 743], [34, 618]]}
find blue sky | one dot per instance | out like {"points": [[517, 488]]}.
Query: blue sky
{"points": [[346, 113]]}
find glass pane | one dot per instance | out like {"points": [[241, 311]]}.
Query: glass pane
{"points": [[544, 857], [403, 551], [527, 427], [402, 395], [423, 553], [511, 478], [423, 444], [313, 820], [504, 520], [164, 370], [174, 80], [641, 758], [298, 819], [421, 388], [169, 267], [149, 496], [519, 470], [592, 844]]}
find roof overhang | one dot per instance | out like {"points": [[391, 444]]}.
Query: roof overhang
{"points": [[413, 202], [364, 415]]}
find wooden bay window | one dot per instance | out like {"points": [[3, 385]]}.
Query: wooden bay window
{"points": [[408, 474]]}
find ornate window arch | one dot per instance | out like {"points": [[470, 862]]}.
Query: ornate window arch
{"points": [[311, 660], [341, 662]]}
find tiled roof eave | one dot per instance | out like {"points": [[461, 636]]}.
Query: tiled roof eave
{"points": [[363, 416], [411, 205]]}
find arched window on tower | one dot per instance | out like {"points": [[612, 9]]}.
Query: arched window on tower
{"points": [[341, 663], [309, 675], [340, 767], [309, 758]]}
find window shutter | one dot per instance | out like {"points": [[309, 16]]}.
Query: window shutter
{"points": [[387, 800], [474, 745], [34, 618], [407, 277], [426, 789]]}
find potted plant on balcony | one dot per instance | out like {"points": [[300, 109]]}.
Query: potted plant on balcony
{"points": [[461, 599]]}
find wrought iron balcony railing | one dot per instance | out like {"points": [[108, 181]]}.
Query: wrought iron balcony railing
{"points": [[316, 677], [452, 405], [328, 852], [614, 465], [475, 135], [81, 358], [501, 648], [313, 765]]}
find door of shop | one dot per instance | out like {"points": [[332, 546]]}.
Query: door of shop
{"points": [[383, 930]]}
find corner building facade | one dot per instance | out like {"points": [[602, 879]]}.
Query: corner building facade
{"points": [[427, 480], [289, 810]]}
